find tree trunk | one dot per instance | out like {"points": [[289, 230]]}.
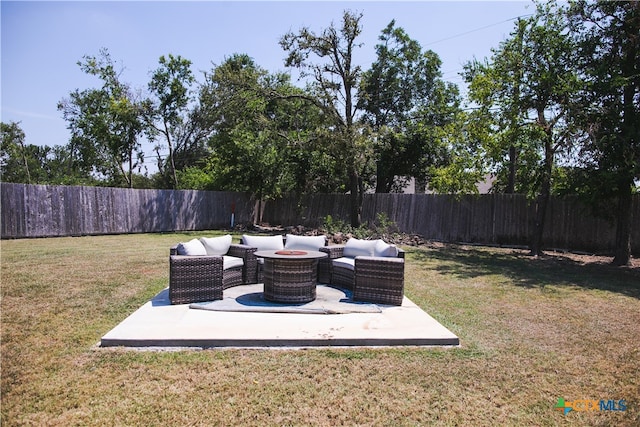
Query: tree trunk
{"points": [[511, 183], [542, 201], [355, 199], [130, 170], [383, 183], [26, 163], [159, 161], [623, 226], [540, 211], [420, 185], [172, 162], [630, 137], [258, 209]]}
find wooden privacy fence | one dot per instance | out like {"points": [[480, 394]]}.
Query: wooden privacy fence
{"points": [[47, 210], [500, 219], [497, 219]]}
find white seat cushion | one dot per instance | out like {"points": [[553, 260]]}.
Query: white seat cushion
{"points": [[264, 243], [192, 247], [231, 261], [304, 243], [216, 245], [345, 262]]}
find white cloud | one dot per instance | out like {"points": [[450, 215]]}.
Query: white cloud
{"points": [[30, 114]]}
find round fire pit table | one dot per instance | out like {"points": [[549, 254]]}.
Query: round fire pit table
{"points": [[290, 276]]}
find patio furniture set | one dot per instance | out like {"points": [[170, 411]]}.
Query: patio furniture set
{"points": [[289, 266]]}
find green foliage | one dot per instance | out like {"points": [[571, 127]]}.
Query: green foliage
{"points": [[332, 226], [327, 57], [105, 124], [525, 94], [455, 178], [194, 178], [409, 108], [608, 109], [32, 164], [381, 228], [266, 138], [607, 32], [172, 119], [384, 227], [554, 110], [14, 165]]}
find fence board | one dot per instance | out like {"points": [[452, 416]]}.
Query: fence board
{"points": [[501, 219], [43, 211], [50, 211]]}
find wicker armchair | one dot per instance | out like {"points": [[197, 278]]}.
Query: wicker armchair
{"points": [[203, 278], [377, 279]]}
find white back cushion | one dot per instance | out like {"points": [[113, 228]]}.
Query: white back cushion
{"points": [[216, 245], [357, 247], [384, 249], [304, 243], [192, 247], [264, 243]]}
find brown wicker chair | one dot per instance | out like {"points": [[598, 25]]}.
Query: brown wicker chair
{"points": [[203, 278], [377, 279]]}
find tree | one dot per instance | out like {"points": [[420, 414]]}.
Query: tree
{"points": [[243, 156], [407, 104], [335, 79], [168, 115], [105, 123], [530, 85], [264, 132], [452, 159], [14, 166], [609, 37], [33, 164]]}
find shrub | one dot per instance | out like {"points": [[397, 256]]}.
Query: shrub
{"points": [[381, 228]]}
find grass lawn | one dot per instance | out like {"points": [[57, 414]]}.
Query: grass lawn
{"points": [[531, 331]]}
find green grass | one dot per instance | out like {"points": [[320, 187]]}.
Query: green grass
{"points": [[531, 330]]}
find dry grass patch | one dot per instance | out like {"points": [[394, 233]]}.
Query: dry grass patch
{"points": [[531, 331]]}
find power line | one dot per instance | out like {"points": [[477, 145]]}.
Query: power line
{"points": [[477, 29]]}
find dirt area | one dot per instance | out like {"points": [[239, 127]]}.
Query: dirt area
{"points": [[575, 257], [591, 259], [416, 240]]}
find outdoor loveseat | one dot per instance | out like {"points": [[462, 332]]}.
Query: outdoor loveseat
{"points": [[199, 270], [372, 269]]}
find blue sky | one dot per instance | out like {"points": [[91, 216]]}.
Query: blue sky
{"points": [[43, 41]]}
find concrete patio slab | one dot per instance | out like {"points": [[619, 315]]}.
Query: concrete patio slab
{"points": [[160, 324]]}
